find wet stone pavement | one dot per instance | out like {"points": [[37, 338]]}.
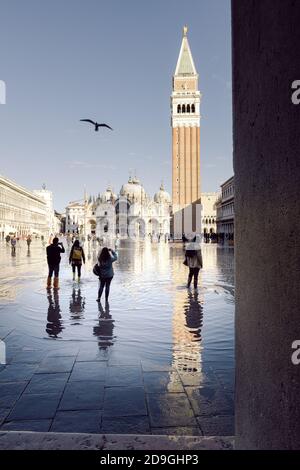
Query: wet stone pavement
{"points": [[158, 360]]}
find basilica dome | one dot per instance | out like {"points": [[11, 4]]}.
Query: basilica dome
{"points": [[162, 196], [133, 190], [108, 195]]}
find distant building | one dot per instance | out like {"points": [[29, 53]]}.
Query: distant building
{"points": [[22, 212], [47, 196], [209, 212], [225, 210]]}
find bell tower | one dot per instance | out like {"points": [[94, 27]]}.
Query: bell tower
{"points": [[185, 122]]}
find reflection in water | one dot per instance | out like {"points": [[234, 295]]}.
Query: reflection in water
{"points": [[187, 324], [104, 329], [157, 320], [77, 304], [54, 324], [193, 311]]}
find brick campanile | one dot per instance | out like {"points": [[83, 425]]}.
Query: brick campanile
{"points": [[185, 121]]}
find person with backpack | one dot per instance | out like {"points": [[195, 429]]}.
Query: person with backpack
{"points": [[76, 258], [104, 269]]}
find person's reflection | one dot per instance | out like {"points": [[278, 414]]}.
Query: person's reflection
{"points": [[104, 330], [54, 323], [193, 311], [28, 252], [77, 304]]}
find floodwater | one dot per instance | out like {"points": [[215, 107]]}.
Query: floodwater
{"points": [[152, 316]]}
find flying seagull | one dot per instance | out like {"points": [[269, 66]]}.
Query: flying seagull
{"points": [[96, 124]]}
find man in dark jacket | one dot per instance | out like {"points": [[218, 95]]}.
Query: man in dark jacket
{"points": [[53, 257]]}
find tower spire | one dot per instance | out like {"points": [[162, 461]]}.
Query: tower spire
{"points": [[185, 64]]}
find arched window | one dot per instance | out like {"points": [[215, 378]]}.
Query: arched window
{"points": [[193, 108], [179, 109], [183, 108], [206, 221], [188, 109], [209, 221]]}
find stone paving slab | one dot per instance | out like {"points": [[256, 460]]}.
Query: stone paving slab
{"points": [[10, 392], [56, 364], [159, 382], [86, 421], [42, 425], [124, 376], [170, 409], [47, 383], [35, 407], [17, 372], [217, 425], [89, 371], [126, 425], [11, 440], [83, 396], [124, 401]]}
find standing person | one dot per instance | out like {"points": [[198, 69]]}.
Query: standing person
{"points": [[7, 238], [28, 240], [105, 263], [13, 243], [53, 257], [193, 259], [76, 258]]}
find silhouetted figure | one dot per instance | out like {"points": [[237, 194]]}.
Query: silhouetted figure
{"points": [[13, 243], [96, 124], [193, 259], [76, 258], [106, 273], [54, 325], [53, 258], [28, 241]]}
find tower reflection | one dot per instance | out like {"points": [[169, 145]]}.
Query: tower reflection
{"points": [[187, 321]]}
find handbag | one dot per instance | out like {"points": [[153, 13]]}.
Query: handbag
{"points": [[185, 262], [96, 270]]}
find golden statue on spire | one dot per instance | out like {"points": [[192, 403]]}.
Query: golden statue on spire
{"points": [[185, 30]]}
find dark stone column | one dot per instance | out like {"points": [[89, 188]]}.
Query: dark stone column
{"points": [[266, 60]]}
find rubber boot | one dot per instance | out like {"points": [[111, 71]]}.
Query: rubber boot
{"points": [[73, 276], [48, 282], [78, 278], [55, 283]]}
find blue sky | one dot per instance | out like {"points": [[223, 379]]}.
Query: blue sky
{"points": [[111, 61]]}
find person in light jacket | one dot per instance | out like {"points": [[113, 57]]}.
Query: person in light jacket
{"points": [[193, 259], [106, 273]]}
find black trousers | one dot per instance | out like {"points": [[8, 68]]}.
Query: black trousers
{"points": [[193, 273], [104, 282], [78, 266], [53, 268]]}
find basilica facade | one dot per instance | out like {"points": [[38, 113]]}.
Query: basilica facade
{"points": [[130, 213]]}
